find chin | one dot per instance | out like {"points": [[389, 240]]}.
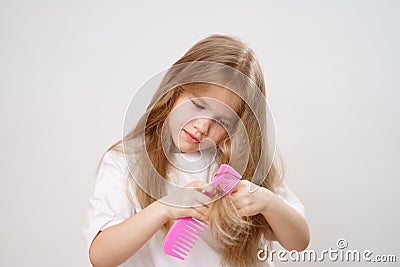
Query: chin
{"points": [[188, 150], [184, 148]]}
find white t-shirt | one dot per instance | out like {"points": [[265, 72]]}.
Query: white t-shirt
{"points": [[109, 206]]}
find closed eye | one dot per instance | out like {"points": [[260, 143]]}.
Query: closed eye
{"points": [[223, 123], [197, 105]]}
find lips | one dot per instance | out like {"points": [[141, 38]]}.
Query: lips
{"points": [[191, 138]]}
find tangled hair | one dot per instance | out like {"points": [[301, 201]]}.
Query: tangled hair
{"points": [[238, 238]]}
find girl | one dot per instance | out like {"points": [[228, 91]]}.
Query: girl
{"points": [[209, 109]]}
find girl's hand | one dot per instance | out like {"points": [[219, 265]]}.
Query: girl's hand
{"points": [[288, 226], [188, 202], [248, 204]]}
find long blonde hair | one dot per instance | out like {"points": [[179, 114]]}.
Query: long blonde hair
{"points": [[238, 238]]}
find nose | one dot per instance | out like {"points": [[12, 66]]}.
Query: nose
{"points": [[202, 125]]}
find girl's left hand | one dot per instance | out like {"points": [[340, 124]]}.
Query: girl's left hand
{"points": [[249, 204]]}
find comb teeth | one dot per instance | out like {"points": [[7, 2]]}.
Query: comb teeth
{"points": [[183, 236], [227, 183], [185, 231]]}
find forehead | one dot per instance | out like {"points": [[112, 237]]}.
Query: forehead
{"points": [[216, 92]]}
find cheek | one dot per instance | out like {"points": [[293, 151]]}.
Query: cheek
{"points": [[218, 134], [176, 122], [173, 128]]}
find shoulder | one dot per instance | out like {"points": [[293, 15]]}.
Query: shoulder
{"points": [[113, 158], [111, 170], [108, 204]]}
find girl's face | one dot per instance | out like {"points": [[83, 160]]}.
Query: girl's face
{"points": [[201, 117]]}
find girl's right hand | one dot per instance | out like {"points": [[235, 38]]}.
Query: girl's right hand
{"points": [[188, 202]]}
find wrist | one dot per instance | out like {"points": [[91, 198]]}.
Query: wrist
{"points": [[163, 210], [269, 201]]}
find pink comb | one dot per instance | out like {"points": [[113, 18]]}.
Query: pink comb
{"points": [[225, 179], [185, 231]]}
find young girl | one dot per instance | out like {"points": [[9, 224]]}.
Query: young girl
{"points": [[209, 109]]}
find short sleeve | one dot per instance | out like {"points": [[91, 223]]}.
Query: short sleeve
{"points": [[108, 204], [284, 193]]}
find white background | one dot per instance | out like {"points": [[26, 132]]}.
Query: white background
{"points": [[68, 70]]}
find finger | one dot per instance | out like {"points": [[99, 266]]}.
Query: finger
{"points": [[205, 197], [237, 197], [236, 188], [200, 213], [196, 184], [241, 212], [200, 198], [207, 190], [240, 185], [203, 187], [203, 210], [201, 204]]}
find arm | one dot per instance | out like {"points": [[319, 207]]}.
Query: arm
{"points": [[116, 244], [289, 226]]}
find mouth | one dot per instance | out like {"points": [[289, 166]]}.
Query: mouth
{"points": [[191, 138]]}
